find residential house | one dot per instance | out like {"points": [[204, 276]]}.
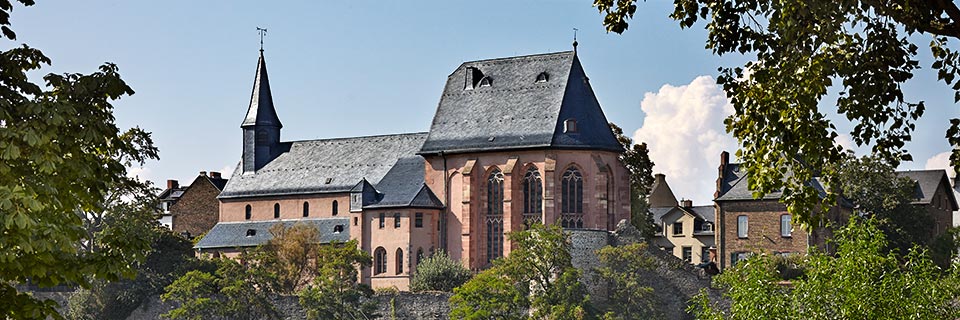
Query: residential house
{"points": [[168, 197], [197, 210], [685, 230]]}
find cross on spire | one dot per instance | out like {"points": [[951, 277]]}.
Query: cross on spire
{"points": [[575, 39], [263, 32]]}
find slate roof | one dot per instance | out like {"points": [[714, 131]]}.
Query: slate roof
{"points": [[706, 213], [306, 166], [403, 186], [261, 110], [927, 183], [734, 186], [234, 234], [516, 111]]}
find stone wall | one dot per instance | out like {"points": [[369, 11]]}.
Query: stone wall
{"points": [[583, 251]]}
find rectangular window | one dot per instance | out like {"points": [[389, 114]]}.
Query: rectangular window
{"points": [[396, 220], [705, 254], [355, 220], [678, 228], [687, 254], [383, 219], [737, 257], [742, 226], [418, 222], [785, 228]]}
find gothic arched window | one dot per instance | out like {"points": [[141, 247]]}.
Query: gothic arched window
{"points": [[276, 211], [494, 215], [532, 197], [336, 207], [399, 261], [379, 260], [306, 209], [247, 212], [571, 199]]}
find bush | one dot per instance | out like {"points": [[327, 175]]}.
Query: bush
{"points": [[439, 273]]}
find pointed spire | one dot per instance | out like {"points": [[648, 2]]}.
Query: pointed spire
{"points": [[261, 111]]}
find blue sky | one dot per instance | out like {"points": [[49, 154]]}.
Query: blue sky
{"points": [[351, 68]]}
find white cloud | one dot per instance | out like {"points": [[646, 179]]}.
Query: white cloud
{"points": [[845, 141], [227, 170], [685, 133], [940, 161], [141, 173]]}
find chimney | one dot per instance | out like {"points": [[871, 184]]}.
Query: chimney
{"points": [[203, 173], [472, 77], [172, 184], [686, 203], [215, 175], [658, 178], [724, 160]]}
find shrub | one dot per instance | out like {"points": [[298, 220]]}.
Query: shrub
{"points": [[439, 273]]}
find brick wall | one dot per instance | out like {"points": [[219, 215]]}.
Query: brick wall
{"points": [[198, 209]]}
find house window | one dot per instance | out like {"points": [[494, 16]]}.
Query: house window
{"points": [[785, 228], [704, 254], [379, 260], [335, 208], [396, 220], [247, 212], [276, 211], [678, 228], [532, 197], [418, 220], [399, 261], [306, 209], [356, 221], [383, 219], [687, 253], [737, 257], [570, 125], [419, 255], [741, 226], [706, 227], [571, 202], [494, 219]]}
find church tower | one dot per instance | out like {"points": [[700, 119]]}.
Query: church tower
{"points": [[261, 126]]}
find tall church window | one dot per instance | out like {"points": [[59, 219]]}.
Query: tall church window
{"points": [[247, 212], [532, 197], [336, 207], [379, 260], [306, 209], [571, 196], [276, 211], [399, 261], [494, 219]]}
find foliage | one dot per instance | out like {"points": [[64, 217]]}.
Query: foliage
{"points": [[623, 269], [637, 160], [878, 191], [538, 274], [287, 262], [229, 292], [946, 247], [863, 281], [170, 257], [60, 154], [439, 273], [336, 292], [865, 49]]}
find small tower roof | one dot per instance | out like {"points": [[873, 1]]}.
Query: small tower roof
{"points": [[261, 111]]}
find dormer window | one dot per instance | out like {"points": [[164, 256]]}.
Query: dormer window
{"points": [[570, 125], [338, 228], [486, 82], [543, 77], [251, 232]]}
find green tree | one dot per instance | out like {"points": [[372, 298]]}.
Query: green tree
{"points": [[335, 292], [61, 154], [439, 273], [288, 261], [623, 269], [539, 271], [864, 49], [231, 291], [636, 158], [863, 281]]}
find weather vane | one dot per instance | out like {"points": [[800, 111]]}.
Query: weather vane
{"points": [[263, 32], [575, 39]]}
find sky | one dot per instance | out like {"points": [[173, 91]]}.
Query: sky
{"points": [[356, 68]]}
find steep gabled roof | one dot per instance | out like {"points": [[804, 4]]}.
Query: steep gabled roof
{"points": [[323, 166], [660, 193], [516, 111], [235, 234], [261, 110], [927, 183], [404, 186]]}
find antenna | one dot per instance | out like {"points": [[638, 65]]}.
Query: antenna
{"points": [[263, 32]]}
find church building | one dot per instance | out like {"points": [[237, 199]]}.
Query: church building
{"points": [[514, 141]]}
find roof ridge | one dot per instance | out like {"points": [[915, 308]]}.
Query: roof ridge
{"points": [[359, 137], [518, 57]]}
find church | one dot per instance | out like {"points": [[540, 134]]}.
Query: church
{"points": [[514, 141]]}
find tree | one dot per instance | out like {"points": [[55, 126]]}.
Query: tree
{"points": [[60, 154], [622, 269], [335, 292], [230, 292], [539, 272], [439, 273], [801, 48], [863, 281], [288, 261], [637, 160]]}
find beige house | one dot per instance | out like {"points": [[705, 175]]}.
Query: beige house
{"points": [[685, 230]]}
